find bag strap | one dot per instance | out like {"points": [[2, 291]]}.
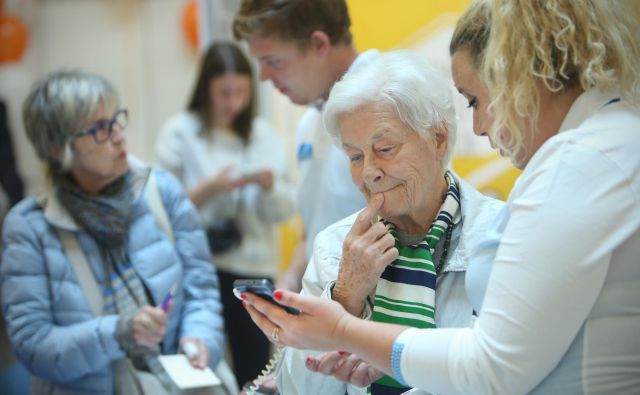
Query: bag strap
{"points": [[154, 200], [78, 259], [91, 288], [83, 271]]}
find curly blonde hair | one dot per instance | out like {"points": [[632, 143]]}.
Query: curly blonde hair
{"points": [[562, 44]]}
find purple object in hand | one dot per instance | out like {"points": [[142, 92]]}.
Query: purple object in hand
{"points": [[165, 303]]}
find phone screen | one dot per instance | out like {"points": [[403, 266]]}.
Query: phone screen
{"points": [[261, 287]]}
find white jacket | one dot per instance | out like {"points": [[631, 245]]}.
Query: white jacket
{"points": [[561, 313], [469, 241]]}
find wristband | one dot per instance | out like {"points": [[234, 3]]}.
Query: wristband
{"points": [[396, 354]]}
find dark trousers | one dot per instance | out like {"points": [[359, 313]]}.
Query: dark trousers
{"points": [[249, 346]]}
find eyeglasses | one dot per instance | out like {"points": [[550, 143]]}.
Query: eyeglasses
{"points": [[103, 129]]}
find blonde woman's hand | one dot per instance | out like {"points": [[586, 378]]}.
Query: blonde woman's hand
{"points": [[319, 326], [367, 250]]}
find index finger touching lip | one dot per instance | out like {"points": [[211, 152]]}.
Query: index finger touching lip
{"points": [[368, 216]]}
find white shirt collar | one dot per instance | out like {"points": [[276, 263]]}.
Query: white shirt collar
{"points": [[363, 58], [585, 106]]}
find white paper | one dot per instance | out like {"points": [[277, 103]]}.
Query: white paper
{"points": [[186, 376]]}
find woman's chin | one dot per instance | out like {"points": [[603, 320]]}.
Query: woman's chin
{"points": [[387, 208], [385, 211], [119, 171], [122, 169]]}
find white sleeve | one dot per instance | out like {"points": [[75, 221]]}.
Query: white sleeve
{"points": [[168, 148], [549, 270]]}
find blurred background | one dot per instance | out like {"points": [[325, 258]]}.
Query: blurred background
{"points": [[149, 49]]}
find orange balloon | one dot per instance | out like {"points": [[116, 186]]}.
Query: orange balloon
{"points": [[13, 38], [190, 23]]}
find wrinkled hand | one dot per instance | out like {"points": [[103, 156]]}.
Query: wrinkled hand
{"points": [[345, 367], [319, 326], [367, 250], [201, 358], [149, 326]]}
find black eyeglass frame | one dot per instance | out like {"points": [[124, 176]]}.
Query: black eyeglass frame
{"points": [[108, 123]]}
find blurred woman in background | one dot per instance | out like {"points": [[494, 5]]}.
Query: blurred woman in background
{"points": [[234, 168]]}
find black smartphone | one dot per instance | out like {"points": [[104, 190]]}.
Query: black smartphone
{"points": [[261, 287]]}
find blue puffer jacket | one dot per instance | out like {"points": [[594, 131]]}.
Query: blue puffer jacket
{"points": [[48, 318]]}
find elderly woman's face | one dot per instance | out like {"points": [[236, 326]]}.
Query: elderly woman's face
{"points": [[96, 165], [387, 157]]}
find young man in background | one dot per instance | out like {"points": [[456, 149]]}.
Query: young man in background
{"points": [[303, 47]]}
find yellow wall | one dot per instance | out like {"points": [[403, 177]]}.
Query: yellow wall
{"points": [[383, 24]]}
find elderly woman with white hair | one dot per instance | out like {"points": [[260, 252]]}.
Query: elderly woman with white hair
{"points": [[109, 267], [559, 307], [403, 258]]}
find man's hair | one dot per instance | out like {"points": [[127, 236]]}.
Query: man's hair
{"points": [[293, 20]]}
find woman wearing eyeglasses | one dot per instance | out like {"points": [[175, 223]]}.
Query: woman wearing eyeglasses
{"points": [[154, 290]]}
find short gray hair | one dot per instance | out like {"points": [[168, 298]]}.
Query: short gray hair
{"points": [[404, 81], [61, 105]]}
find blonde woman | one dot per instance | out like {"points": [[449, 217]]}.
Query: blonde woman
{"points": [[559, 308]]}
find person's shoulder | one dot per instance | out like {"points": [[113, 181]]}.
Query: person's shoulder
{"points": [[612, 127], [28, 212], [469, 193], [605, 140], [166, 181], [476, 206], [141, 173], [310, 115], [183, 122], [26, 207], [365, 58], [262, 123], [262, 128], [598, 128]]}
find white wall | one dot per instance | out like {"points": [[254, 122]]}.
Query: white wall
{"points": [[137, 44]]}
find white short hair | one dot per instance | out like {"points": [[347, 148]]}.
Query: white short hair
{"points": [[404, 81]]}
